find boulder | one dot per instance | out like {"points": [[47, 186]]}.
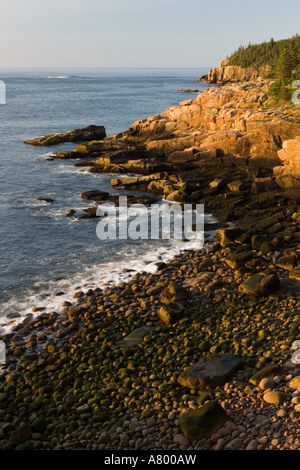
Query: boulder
{"points": [[260, 285], [261, 185], [288, 261], [171, 312], [135, 338], [49, 200], [236, 186], [225, 236], [202, 422], [182, 156], [174, 293], [178, 196], [95, 195], [211, 371], [237, 260]]}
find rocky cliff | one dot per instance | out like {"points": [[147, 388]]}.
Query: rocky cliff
{"points": [[226, 73], [229, 125], [288, 173]]}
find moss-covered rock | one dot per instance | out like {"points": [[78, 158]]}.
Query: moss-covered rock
{"points": [[201, 423], [269, 371]]}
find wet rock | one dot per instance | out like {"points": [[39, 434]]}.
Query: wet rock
{"points": [[189, 91], [201, 423], [211, 371], [85, 134], [178, 196], [95, 195], [46, 199]]}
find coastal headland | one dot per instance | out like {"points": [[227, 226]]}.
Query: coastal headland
{"points": [[198, 355]]}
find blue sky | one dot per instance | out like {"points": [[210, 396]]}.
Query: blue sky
{"points": [[137, 33]]}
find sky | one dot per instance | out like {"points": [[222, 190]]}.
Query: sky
{"points": [[137, 33]]}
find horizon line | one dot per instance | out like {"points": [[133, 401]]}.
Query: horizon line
{"points": [[102, 67]]}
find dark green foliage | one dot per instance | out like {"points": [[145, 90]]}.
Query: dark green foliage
{"points": [[281, 59]]}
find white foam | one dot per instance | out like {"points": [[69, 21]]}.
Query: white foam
{"points": [[100, 275], [59, 77]]}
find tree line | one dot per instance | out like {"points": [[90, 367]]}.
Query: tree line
{"points": [[279, 59]]}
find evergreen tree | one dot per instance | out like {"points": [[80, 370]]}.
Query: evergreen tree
{"points": [[285, 65]]}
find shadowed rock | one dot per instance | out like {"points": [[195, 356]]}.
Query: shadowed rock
{"points": [[260, 285], [211, 371], [201, 423]]}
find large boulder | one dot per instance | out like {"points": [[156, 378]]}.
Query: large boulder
{"points": [[202, 422], [211, 371], [95, 195], [227, 235], [260, 285], [171, 312], [173, 293]]}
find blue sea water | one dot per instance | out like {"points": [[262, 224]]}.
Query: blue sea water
{"points": [[44, 255]]}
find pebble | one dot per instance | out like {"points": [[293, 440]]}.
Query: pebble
{"points": [[235, 444], [181, 440], [266, 383], [281, 413], [263, 439]]}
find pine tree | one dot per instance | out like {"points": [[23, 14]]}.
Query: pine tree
{"points": [[285, 64]]}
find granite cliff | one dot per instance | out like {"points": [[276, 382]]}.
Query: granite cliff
{"points": [[228, 125], [226, 73]]}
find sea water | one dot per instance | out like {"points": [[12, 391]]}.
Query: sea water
{"points": [[46, 256]]}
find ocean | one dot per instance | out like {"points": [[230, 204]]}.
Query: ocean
{"points": [[46, 256]]}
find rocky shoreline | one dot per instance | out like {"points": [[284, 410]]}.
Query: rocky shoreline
{"points": [[198, 355]]}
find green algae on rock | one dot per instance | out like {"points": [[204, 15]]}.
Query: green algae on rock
{"points": [[202, 422]]}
